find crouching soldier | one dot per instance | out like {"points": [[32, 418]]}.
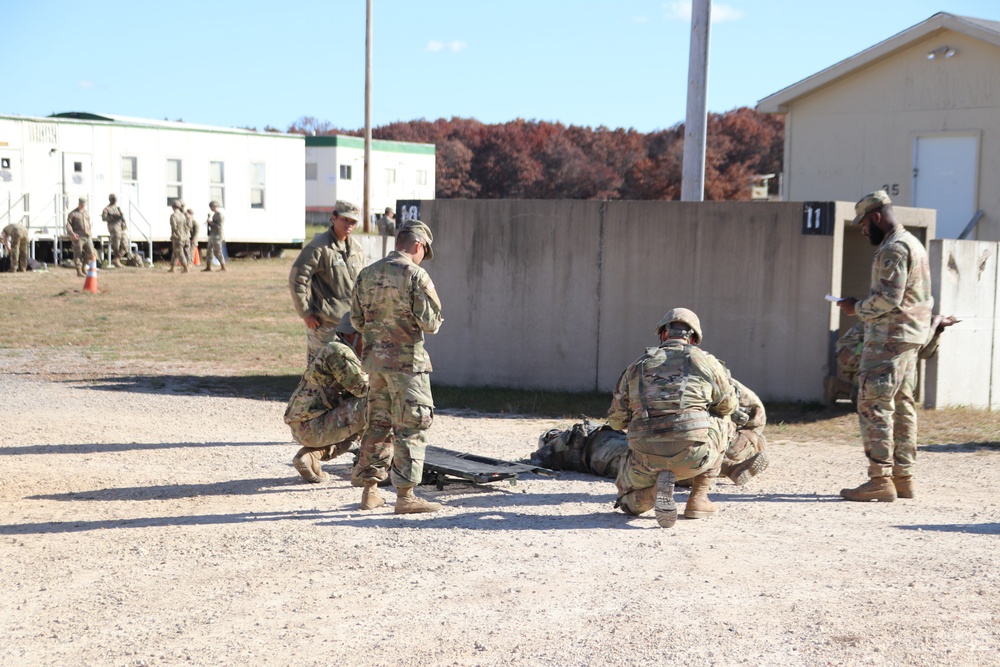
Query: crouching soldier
{"points": [[327, 410], [600, 450], [675, 401]]}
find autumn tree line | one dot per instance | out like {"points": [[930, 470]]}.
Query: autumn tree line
{"points": [[543, 160]]}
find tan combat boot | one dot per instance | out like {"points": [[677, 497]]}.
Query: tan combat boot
{"points": [[370, 497], [409, 503], [306, 461], [744, 471], [665, 508], [876, 488], [698, 505], [906, 487]]}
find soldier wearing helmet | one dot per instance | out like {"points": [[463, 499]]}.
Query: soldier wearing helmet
{"points": [[674, 401], [327, 410]]}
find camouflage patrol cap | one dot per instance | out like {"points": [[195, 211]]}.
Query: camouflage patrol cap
{"points": [[178, 203], [81, 200], [214, 203], [422, 233], [388, 210], [869, 203], [681, 315], [344, 326], [346, 209]]}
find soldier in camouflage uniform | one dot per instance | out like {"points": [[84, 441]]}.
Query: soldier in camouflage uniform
{"points": [[601, 450], [323, 275], [897, 317], [180, 236], [386, 223], [675, 401], [15, 239], [78, 229], [112, 214], [393, 305], [327, 410], [193, 240], [215, 239], [848, 349]]}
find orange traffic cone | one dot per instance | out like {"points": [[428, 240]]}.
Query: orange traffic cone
{"points": [[90, 284], [196, 257]]}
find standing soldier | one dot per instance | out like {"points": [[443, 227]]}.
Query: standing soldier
{"points": [[195, 229], [78, 229], [15, 239], [112, 214], [394, 303], [215, 236], [322, 277], [897, 318], [387, 222], [674, 400], [180, 236]]}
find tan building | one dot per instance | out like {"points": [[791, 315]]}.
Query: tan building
{"points": [[917, 115]]}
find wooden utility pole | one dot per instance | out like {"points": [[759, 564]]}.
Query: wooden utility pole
{"points": [[696, 123], [366, 208]]}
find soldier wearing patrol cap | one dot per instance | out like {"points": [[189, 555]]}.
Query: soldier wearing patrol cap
{"points": [[215, 222], [112, 214], [180, 236], [327, 410], [387, 222], [393, 306], [323, 275], [78, 229], [897, 320], [674, 400]]}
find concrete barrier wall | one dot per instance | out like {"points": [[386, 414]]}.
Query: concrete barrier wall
{"points": [[966, 370], [563, 295]]}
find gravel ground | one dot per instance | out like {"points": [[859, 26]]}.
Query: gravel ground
{"points": [[148, 523]]}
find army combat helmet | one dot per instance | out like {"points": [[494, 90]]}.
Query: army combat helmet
{"points": [[684, 316]]}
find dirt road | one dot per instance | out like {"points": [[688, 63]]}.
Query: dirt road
{"points": [[146, 523]]}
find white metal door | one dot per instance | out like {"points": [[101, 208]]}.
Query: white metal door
{"points": [[10, 183], [77, 178], [945, 175]]}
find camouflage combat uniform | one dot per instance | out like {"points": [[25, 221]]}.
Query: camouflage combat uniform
{"points": [[896, 317], [321, 280], [327, 409], [213, 248], [394, 303], [78, 222], [17, 236], [180, 239], [112, 214], [674, 401], [848, 350], [601, 450]]}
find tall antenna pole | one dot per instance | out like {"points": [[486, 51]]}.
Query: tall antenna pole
{"points": [[368, 120], [695, 126]]}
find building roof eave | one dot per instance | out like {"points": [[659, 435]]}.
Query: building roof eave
{"points": [[987, 31]]}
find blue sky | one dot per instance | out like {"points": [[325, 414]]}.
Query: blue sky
{"points": [[581, 62]]}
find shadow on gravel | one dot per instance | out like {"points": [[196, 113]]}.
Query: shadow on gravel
{"points": [[104, 448], [256, 387], [972, 528], [238, 487], [960, 447], [158, 522]]}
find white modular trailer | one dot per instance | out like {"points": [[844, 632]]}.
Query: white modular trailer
{"points": [[335, 170], [46, 164]]}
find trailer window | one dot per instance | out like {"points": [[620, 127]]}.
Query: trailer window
{"points": [[256, 185], [175, 187], [217, 182]]}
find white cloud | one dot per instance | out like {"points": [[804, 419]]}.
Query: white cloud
{"points": [[86, 85], [435, 46], [681, 11]]}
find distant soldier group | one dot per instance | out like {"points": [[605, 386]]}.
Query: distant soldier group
{"points": [[184, 232]]}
